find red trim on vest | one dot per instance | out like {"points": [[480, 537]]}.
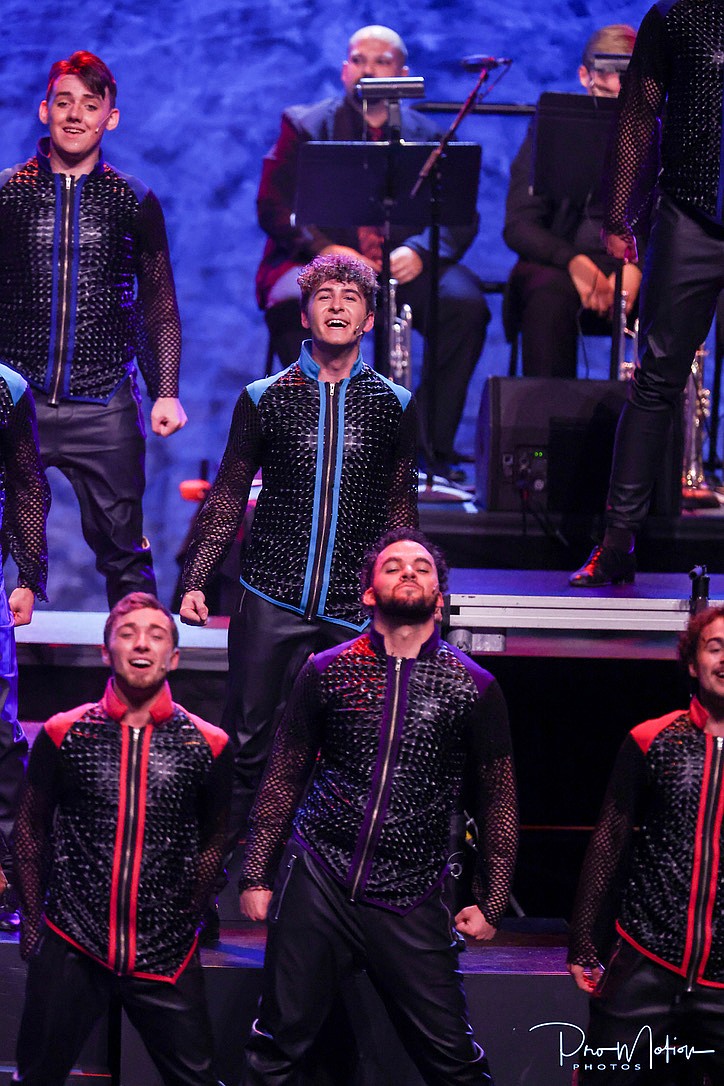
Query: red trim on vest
{"points": [[59, 725], [644, 734], [161, 708], [217, 738]]}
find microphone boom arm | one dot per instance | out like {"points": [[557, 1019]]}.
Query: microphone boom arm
{"points": [[445, 139]]}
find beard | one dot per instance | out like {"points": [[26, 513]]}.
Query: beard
{"points": [[411, 610]]}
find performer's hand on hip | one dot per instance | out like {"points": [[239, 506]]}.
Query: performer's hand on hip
{"points": [[167, 416], [254, 904], [21, 602], [471, 922], [193, 610]]}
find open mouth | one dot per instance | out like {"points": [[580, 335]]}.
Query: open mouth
{"points": [[336, 323], [141, 663]]}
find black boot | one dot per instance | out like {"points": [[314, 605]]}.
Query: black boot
{"points": [[605, 565]]}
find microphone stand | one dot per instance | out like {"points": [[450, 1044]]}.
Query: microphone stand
{"points": [[429, 365]]}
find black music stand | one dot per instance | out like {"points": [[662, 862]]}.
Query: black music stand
{"points": [[346, 183], [571, 133]]}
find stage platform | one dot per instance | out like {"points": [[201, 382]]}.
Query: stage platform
{"points": [[519, 612], [578, 668], [537, 613], [523, 1005]]}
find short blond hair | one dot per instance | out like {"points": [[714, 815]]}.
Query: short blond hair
{"points": [[616, 38]]}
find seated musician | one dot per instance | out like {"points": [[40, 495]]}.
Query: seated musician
{"points": [[463, 311], [563, 273]]}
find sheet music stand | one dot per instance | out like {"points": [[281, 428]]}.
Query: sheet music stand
{"points": [[571, 133], [346, 183]]}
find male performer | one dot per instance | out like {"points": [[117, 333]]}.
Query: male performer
{"points": [[336, 445], [674, 81], [119, 837], [663, 886], [563, 268], [24, 504], [393, 727], [76, 237], [373, 51]]}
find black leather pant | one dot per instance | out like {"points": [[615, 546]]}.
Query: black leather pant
{"points": [[641, 1006], [66, 994], [317, 938], [268, 646], [683, 275], [101, 448]]}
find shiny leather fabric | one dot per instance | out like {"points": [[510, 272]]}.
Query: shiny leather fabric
{"points": [[392, 743], [338, 471], [71, 252]]}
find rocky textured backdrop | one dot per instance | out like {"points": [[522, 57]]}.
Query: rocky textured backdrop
{"points": [[201, 87]]}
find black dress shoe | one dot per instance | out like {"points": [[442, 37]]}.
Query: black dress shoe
{"points": [[604, 566]]}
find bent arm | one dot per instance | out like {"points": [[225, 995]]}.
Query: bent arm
{"points": [[221, 514]]}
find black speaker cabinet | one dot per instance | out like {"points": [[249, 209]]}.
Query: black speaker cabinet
{"points": [[549, 441]]}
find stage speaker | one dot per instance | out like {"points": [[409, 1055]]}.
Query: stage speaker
{"points": [[549, 441]]}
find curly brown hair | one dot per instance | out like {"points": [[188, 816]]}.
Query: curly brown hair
{"points": [[337, 269]]}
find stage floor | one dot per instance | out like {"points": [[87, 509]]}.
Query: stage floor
{"points": [[519, 612], [521, 1002]]}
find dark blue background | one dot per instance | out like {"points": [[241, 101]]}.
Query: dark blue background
{"points": [[201, 87]]}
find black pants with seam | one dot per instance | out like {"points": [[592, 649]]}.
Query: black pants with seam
{"points": [[640, 1006], [317, 937], [67, 992], [101, 450], [683, 276], [268, 645]]}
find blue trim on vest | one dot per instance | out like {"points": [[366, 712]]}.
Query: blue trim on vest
{"points": [[257, 389], [73, 301], [58, 186], [310, 368], [16, 384], [403, 394], [300, 610], [140, 191], [339, 459], [318, 465]]}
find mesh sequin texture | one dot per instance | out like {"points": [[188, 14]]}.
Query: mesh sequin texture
{"points": [[677, 69], [644, 878], [377, 488], [118, 242], [24, 491], [453, 746], [65, 837]]}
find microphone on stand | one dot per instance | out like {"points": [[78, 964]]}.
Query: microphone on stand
{"points": [[478, 61]]}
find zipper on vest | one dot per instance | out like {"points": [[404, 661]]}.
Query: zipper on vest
{"points": [[382, 783], [704, 889], [122, 904], [325, 505], [64, 285]]}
